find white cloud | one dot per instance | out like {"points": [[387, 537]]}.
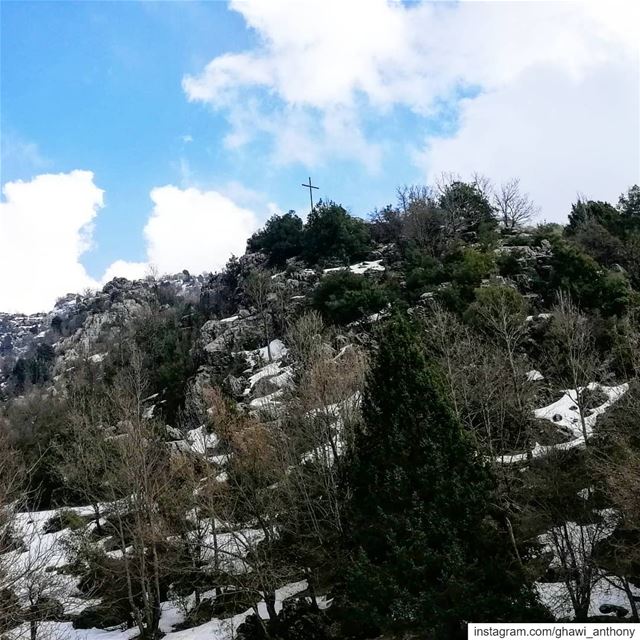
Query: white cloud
{"points": [[45, 226], [190, 229], [124, 269], [325, 54], [322, 68], [562, 137], [195, 230]]}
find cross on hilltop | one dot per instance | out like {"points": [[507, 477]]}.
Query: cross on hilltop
{"points": [[310, 187]]}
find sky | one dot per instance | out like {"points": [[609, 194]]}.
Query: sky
{"points": [[157, 136]]}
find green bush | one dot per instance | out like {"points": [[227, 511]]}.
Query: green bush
{"points": [[343, 297], [497, 304], [422, 271], [165, 339], [280, 239], [468, 206], [590, 284], [101, 616], [469, 267], [64, 519], [331, 233]]}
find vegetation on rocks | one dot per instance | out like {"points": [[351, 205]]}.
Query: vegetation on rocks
{"points": [[360, 427]]}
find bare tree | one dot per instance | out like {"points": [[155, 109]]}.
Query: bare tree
{"points": [[322, 414], [137, 481], [572, 545], [305, 337], [618, 467], [259, 287], [573, 356], [502, 315], [11, 483], [30, 589], [515, 208], [422, 220]]}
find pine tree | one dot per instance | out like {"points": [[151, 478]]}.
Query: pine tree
{"points": [[425, 556]]}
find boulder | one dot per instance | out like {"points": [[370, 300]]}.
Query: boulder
{"points": [[620, 612]]}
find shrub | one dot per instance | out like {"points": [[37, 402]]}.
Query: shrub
{"points": [[343, 297], [280, 239], [165, 339], [421, 271], [386, 225], [591, 285], [466, 207], [331, 233], [469, 267], [298, 620], [101, 616], [65, 519], [497, 304], [592, 211]]}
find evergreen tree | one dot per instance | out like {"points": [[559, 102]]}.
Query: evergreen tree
{"points": [[330, 232], [466, 208], [629, 208], [585, 210], [280, 239], [426, 555]]}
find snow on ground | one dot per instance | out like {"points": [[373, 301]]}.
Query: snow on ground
{"points": [[607, 590], [278, 375], [284, 378], [34, 567], [278, 351], [215, 629], [534, 375], [267, 401], [46, 552], [334, 415], [269, 370], [275, 373], [324, 454], [196, 440], [564, 413], [334, 412], [574, 536], [260, 356], [580, 539], [359, 268]]}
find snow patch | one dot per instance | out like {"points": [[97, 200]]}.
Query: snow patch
{"points": [[565, 413]]}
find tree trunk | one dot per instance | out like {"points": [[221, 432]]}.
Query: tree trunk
{"points": [[270, 601], [312, 589], [96, 517], [632, 602]]}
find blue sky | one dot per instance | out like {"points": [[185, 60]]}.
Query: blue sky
{"points": [[98, 86], [126, 122]]}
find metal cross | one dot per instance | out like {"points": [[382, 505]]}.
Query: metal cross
{"points": [[310, 187]]}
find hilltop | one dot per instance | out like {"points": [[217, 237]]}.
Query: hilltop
{"points": [[181, 453]]}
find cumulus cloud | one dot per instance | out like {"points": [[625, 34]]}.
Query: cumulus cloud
{"points": [[563, 137], [126, 269], [190, 229], [196, 230], [323, 69], [45, 227]]}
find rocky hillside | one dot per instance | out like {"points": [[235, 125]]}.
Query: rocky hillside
{"points": [[243, 454]]}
